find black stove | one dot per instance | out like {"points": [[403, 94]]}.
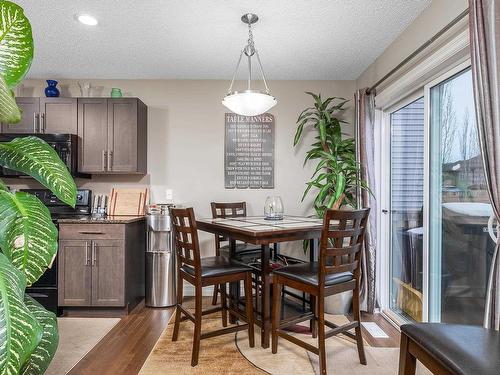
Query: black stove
{"points": [[45, 289]]}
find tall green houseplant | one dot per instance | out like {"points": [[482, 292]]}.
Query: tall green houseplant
{"points": [[336, 176], [28, 238]]}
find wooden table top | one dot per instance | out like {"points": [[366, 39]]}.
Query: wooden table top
{"points": [[257, 230]]}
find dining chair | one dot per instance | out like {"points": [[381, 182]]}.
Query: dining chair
{"points": [[201, 272], [337, 271], [225, 211]]}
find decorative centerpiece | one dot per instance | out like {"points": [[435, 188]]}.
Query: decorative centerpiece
{"points": [[51, 91], [273, 209]]}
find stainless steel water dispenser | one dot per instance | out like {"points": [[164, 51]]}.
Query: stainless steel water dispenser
{"points": [[160, 261]]}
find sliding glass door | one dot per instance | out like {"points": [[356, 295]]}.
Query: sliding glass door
{"points": [[460, 248], [437, 206]]}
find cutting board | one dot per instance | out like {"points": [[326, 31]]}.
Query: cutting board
{"points": [[128, 202]]}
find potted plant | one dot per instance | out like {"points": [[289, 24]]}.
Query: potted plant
{"points": [[336, 176], [28, 238]]}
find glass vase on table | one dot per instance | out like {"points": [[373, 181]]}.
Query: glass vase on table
{"points": [[273, 208]]}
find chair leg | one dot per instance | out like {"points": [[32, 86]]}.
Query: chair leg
{"points": [[276, 314], [222, 288], [321, 335], [407, 362], [314, 325], [214, 295], [249, 309], [197, 326], [178, 313], [357, 317]]}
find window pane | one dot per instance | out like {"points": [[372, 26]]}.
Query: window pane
{"points": [[407, 196], [460, 248]]}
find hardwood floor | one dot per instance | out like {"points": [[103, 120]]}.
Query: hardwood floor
{"points": [[125, 348]]}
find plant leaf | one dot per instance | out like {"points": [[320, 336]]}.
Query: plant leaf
{"points": [[40, 359], [9, 111], [298, 133], [16, 43], [27, 235], [36, 158], [20, 331]]}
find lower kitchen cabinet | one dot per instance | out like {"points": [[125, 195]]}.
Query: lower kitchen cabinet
{"points": [[101, 267]]}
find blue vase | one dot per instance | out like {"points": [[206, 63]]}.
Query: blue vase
{"points": [[51, 91]]}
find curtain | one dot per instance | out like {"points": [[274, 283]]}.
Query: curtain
{"points": [[365, 142], [484, 26]]}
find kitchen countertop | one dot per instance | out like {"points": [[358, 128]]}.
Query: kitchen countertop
{"points": [[101, 220]]}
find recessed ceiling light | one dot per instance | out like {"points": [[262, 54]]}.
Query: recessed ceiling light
{"points": [[87, 19]]}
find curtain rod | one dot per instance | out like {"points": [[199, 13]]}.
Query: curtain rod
{"points": [[420, 49]]}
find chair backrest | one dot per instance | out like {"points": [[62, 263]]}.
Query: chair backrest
{"points": [[341, 242], [228, 210], [186, 238], [225, 211]]}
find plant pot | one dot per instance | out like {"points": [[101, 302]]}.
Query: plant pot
{"points": [[339, 304]]}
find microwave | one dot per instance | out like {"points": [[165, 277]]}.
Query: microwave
{"points": [[65, 145]]}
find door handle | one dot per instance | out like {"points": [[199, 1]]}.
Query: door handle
{"points": [[103, 160], [86, 253], [110, 160], [42, 130], [94, 254]]}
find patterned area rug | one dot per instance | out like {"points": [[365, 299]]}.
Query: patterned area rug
{"points": [[230, 354], [77, 336]]}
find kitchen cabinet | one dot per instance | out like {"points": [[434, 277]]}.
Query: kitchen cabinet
{"points": [[101, 267], [30, 117], [114, 135], [45, 115], [75, 270]]}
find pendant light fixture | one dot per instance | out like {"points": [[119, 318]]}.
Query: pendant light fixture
{"points": [[249, 102]]}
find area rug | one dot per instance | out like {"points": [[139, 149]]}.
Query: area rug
{"points": [[77, 336], [230, 354]]}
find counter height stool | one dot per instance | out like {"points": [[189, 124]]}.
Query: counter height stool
{"points": [[217, 270], [225, 211], [337, 271]]}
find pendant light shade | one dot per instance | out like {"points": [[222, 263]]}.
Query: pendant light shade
{"points": [[249, 102]]}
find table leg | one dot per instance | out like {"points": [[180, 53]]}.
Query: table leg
{"points": [[313, 257], [234, 288], [266, 297]]}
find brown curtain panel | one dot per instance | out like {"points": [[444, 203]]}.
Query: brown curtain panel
{"points": [[484, 25], [365, 119]]}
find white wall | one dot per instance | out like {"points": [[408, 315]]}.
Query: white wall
{"points": [[428, 23], [186, 141]]}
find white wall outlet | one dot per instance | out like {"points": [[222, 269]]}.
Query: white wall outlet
{"points": [[169, 194]]}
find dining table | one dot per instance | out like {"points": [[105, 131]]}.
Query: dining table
{"points": [[258, 230]]}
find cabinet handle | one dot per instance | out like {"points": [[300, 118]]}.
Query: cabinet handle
{"points": [[35, 122], [91, 232], [86, 253], [110, 160], [94, 254], [103, 159], [43, 123]]}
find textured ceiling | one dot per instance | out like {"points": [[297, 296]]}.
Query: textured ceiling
{"points": [[201, 39]]}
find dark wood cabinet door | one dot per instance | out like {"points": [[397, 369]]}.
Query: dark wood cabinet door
{"points": [[30, 119], [74, 273], [58, 115], [93, 134], [122, 135], [108, 273]]}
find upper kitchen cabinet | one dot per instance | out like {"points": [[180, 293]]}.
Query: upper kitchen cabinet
{"points": [[58, 115], [30, 120], [45, 115], [114, 136]]}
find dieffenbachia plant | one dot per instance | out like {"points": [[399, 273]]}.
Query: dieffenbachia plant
{"points": [[336, 176], [28, 238]]}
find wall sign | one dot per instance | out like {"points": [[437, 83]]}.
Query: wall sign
{"points": [[249, 151]]}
